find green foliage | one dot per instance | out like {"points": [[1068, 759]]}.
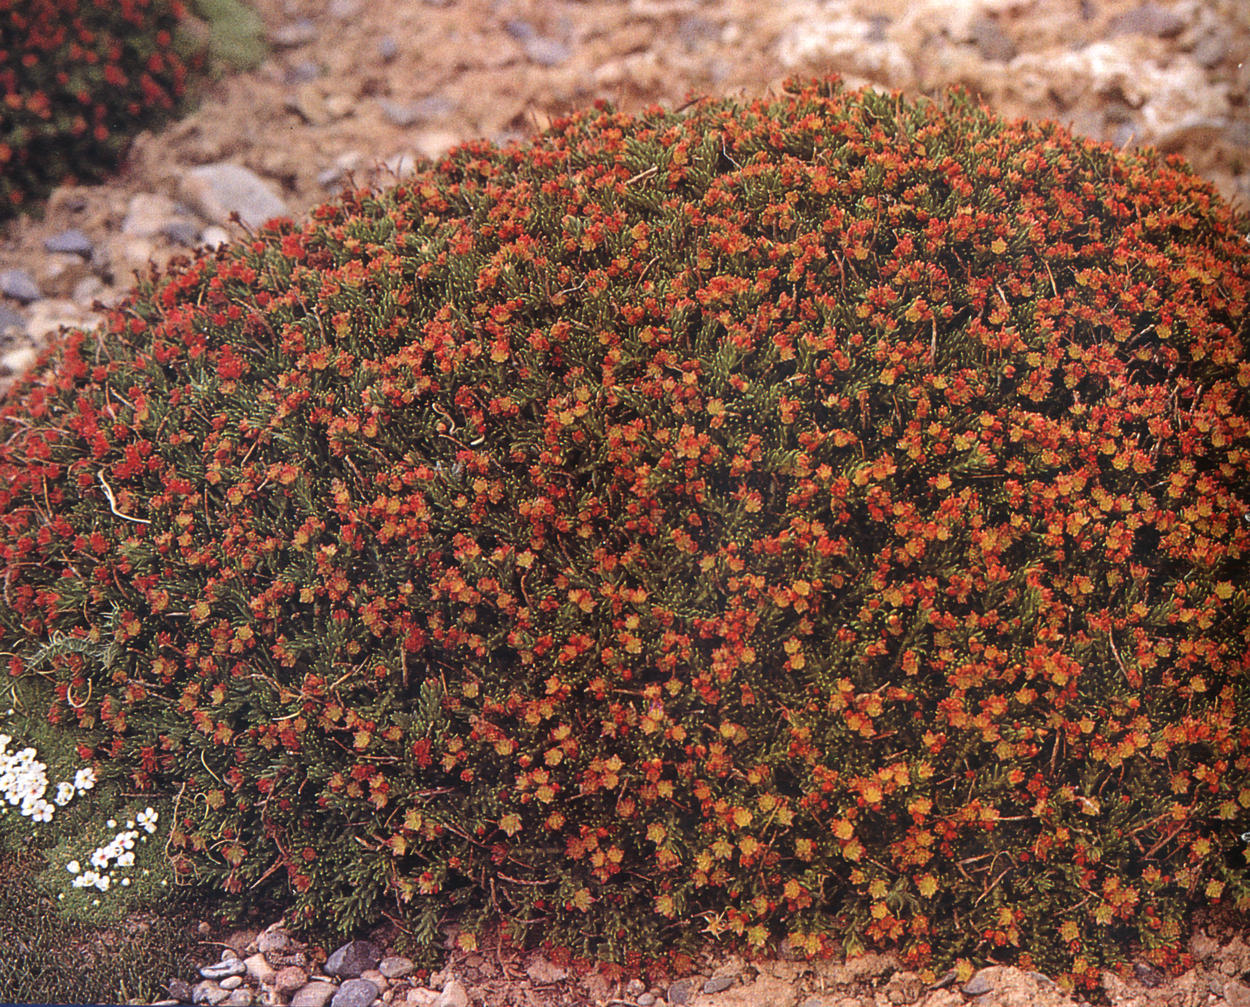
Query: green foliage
{"points": [[78, 79], [236, 33], [823, 517]]}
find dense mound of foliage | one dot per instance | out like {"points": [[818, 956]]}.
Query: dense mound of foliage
{"points": [[824, 518], [78, 80]]}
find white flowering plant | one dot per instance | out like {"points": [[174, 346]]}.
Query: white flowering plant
{"points": [[104, 847]]}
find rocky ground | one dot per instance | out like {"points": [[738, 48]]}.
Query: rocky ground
{"points": [[359, 89]]}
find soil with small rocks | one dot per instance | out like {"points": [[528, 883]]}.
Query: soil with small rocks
{"points": [[357, 91]]}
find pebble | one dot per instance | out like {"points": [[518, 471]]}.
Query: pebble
{"points": [[218, 190], [11, 320], [355, 993], [682, 991], [225, 967], [18, 284], [396, 967], [352, 959], [73, 242], [315, 994]]}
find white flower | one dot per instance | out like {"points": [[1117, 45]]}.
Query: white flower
{"points": [[84, 779], [42, 811], [130, 823], [125, 841], [32, 788], [86, 879], [64, 793], [102, 882], [73, 867], [112, 823], [126, 860], [125, 882], [148, 819], [4, 741], [100, 858]]}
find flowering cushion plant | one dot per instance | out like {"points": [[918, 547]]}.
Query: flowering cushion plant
{"points": [[78, 79], [823, 518]]}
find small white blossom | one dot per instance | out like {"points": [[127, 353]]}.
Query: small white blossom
{"points": [[148, 819], [112, 823], [102, 882], [126, 860], [64, 793], [42, 811], [73, 867], [84, 779], [99, 858], [4, 742], [125, 882]]}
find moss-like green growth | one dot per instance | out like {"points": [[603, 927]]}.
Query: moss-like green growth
{"points": [[825, 517], [78, 80]]}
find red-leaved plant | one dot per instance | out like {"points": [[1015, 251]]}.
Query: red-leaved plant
{"points": [[823, 518]]}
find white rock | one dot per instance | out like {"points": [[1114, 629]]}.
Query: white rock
{"points": [[218, 190], [454, 995], [18, 361]]}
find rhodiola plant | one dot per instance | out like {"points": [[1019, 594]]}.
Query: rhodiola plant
{"points": [[78, 80], [822, 517]]}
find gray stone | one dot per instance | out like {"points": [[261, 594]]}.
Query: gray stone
{"points": [[225, 967], [454, 995], [978, 984], [272, 940], [180, 990], [1146, 975], [11, 322], [519, 29], [682, 991], [231, 982], [73, 241], [645, 1000], [546, 51], [240, 998], [634, 987], [1148, 19], [208, 993], [396, 967], [409, 113], [314, 995], [185, 232], [303, 71], [296, 33], [353, 958], [355, 993], [18, 284], [219, 190], [718, 983]]}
